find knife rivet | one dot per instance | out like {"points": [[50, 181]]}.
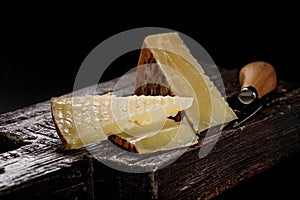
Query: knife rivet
{"points": [[247, 95]]}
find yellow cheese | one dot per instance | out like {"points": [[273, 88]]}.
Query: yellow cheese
{"points": [[173, 135], [90, 119], [166, 67]]}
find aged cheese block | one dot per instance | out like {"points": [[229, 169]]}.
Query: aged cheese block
{"points": [[90, 119], [172, 135], [166, 67]]}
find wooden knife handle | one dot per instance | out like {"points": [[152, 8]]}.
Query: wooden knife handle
{"points": [[259, 75]]}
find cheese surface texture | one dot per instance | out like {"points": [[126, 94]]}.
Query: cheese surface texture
{"points": [[91, 119], [166, 67]]}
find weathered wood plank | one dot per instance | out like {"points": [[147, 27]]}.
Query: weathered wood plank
{"points": [[40, 179], [34, 163]]}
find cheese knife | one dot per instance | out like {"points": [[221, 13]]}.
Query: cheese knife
{"points": [[258, 81]]}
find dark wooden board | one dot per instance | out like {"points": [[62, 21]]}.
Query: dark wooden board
{"points": [[34, 163]]}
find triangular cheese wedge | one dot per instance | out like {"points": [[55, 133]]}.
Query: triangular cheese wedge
{"points": [[167, 67], [91, 119]]}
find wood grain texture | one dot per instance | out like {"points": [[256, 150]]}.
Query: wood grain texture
{"points": [[35, 163]]}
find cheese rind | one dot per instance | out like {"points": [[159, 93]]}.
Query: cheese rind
{"points": [[91, 119], [166, 67]]}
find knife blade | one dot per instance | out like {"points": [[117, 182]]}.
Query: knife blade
{"points": [[258, 81]]}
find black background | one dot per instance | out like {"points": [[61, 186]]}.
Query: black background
{"points": [[43, 45]]}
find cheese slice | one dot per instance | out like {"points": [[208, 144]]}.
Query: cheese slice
{"points": [[173, 135], [91, 119], [166, 67]]}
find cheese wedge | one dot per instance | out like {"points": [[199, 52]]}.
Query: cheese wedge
{"points": [[166, 67], [91, 119], [173, 135]]}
